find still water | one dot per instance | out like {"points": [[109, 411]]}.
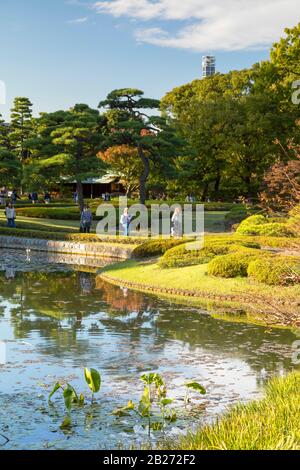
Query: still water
{"points": [[56, 319]]}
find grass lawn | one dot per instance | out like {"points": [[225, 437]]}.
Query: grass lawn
{"points": [[244, 293], [272, 423], [214, 222]]}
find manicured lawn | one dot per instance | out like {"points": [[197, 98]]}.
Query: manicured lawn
{"points": [[270, 424], [193, 278], [214, 222]]}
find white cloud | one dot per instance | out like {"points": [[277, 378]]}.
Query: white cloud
{"points": [[78, 20], [207, 24]]}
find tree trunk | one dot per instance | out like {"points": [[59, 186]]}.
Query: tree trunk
{"points": [[79, 189], [204, 192], [217, 186], [144, 176]]}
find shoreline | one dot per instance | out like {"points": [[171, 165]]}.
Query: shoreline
{"points": [[239, 304]]}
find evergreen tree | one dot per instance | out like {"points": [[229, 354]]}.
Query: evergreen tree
{"points": [[67, 146], [9, 164], [131, 124], [21, 129]]}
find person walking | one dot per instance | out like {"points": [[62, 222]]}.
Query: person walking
{"points": [[2, 196], [34, 197], [177, 223], [125, 222], [10, 215], [86, 220], [14, 196], [47, 198]]}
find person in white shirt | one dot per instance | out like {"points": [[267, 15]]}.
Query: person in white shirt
{"points": [[125, 222], [10, 215], [177, 223]]}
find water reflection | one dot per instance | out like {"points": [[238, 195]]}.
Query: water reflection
{"points": [[70, 319]]}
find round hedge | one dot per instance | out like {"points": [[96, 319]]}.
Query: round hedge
{"points": [[155, 247], [231, 265], [275, 271], [181, 256], [260, 225]]}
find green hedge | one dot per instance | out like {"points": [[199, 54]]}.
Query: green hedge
{"points": [[275, 271], [40, 227], [48, 212], [75, 237], [238, 213], [260, 225], [182, 256], [155, 248], [231, 265]]}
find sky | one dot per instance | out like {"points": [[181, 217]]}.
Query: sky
{"points": [[62, 52]]}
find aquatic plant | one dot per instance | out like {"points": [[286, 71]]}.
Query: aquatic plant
{"points": [[193, 386], [92, 378], [154, 398]]}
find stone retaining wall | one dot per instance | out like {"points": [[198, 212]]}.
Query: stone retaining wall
{"points": [[107, 250]]}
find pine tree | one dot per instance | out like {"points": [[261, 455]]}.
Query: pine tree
{"points": [[151, 135], [9, 164], [21, 129]]}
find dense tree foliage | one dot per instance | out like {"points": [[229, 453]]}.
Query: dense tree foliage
{"points": [[132, 124], [125, 161], [223, 137]]}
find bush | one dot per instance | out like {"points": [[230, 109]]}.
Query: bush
{"points": [[275, 271], [232, 264], [74, 237], [48, 212], [39, 227], [238, 213], [294, 220], [181, 256], [155, 248], [260, 225]]}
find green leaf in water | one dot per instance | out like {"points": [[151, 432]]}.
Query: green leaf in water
{"points": [[56, 387], [197, 387], [93, 379]]}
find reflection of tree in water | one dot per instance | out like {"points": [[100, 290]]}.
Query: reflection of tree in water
{"points": [[121, 299], [128, 311], [55, 306]]}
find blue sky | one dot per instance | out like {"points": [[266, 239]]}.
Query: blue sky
{"points": [[59, 53]]}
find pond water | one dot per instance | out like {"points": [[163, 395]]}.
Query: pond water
{"points": [[56, 319]]}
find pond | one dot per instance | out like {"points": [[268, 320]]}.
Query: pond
{"points": [[57, 317]]}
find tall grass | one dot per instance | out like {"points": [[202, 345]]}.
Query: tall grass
{"points": [[272, 423]]}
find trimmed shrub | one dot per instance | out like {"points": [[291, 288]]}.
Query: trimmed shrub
{"points": [[231, 265], [275, 271], [48, 212], [75, 237], [260, 225], [237, 214], [155, 248], [181, 256], [294, 220]]}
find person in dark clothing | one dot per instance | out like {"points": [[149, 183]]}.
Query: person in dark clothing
{"points": [[14, 196], [47, 198], [34, 197], [86, 220]]}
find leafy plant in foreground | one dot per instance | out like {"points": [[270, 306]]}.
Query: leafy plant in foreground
{"points": [[93, 379], [193, 386]]}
